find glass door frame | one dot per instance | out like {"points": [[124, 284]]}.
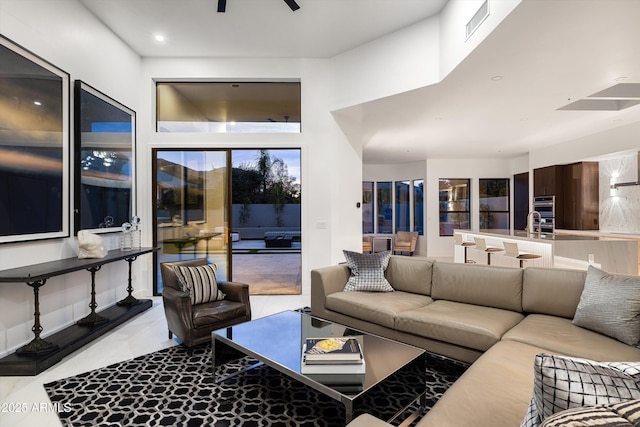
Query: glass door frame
{"points": [[227, 206]]}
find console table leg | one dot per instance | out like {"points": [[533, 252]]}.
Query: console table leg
{"points": [[130, 299], [93, 318], [37, 346]]}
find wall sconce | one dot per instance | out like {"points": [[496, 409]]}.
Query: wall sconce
{"points": [[613, 189]]}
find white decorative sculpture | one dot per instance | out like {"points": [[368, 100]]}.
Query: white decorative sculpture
{"points": [[90, 245]]}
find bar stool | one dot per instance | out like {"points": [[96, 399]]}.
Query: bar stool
{"points": [[481, 245], [460, 242], [511, 250]]}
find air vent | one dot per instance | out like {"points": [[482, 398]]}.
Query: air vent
{"points": [[478, 18]]}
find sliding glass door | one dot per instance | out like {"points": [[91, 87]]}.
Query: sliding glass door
{"points": [[212, 203], [191, 208]]}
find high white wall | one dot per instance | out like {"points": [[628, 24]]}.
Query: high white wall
{"points": [[330, 168], [71, 38], [454, 44]]}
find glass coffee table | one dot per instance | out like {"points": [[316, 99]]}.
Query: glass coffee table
{"points": [[277, 341]]}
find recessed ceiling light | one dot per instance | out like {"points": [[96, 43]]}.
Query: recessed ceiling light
{"points": [[159, 37], [496, 78], [620, 79], [38, 103]]}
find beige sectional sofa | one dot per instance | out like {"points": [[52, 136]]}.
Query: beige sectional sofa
{"points": [[496, 318]]}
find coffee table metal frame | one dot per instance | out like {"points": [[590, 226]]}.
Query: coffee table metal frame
{"points": [[276, 341]]}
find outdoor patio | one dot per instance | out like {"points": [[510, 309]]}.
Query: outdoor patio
{"points": [[268, 271]]}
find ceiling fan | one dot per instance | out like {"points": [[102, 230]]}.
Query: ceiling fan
{"points": [[222, 5]]}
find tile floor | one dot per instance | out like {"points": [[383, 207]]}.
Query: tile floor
{"points": [[143, 334]]}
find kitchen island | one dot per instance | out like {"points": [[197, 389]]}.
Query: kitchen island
{"points": [[562, 249]]}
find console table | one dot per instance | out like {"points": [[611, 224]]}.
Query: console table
{"points": [[41, 354]]}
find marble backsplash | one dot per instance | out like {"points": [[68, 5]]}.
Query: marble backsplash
{"points": [[620, 213]]}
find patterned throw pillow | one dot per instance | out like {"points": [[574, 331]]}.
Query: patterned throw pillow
{"points": [[562, 382], [367, 272], [623, 414], [200, 282], [610, 305]]}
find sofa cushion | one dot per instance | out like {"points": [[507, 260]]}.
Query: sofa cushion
{"points": [[200, 282], [410, 274], [557, 334], [551, 291], [375, 307], [494, 391], [498, 287], [367, 272], [204, 315], [610, 304], [563, 382], [467, 325], [623, 414]]}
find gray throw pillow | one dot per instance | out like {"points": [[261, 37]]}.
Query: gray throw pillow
{"points": [[562, 382], [367, 272], [610, 305]]}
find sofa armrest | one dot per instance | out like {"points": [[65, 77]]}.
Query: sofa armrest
{"points": [[235, 291], [325, 281], [177, 309], [238, 292]]}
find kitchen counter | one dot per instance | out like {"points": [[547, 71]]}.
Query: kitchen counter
{"points": [[563, 249], [558, 235]]}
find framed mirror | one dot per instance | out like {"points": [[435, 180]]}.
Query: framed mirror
{"points": [[34, 146], [105, 133]]}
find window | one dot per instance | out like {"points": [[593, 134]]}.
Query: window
{"points": [[367, 207], [384, 207], [228, 107], [454, 205], [393, 206], [418, 206], [403, 212], [494, 205]]}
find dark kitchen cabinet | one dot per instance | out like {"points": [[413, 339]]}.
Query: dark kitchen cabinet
{"points": [[548, 181], [576, 189], [581, 196]]}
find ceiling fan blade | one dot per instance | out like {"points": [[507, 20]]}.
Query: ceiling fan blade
{"points": [[222, 5], [292, 4]]}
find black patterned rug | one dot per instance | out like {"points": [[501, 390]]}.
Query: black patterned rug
{"points": [[169, 387]]}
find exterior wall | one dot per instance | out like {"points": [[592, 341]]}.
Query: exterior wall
{"points": [[262, 218]]}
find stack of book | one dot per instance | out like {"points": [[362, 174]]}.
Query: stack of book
{"points": [[336, 361]]}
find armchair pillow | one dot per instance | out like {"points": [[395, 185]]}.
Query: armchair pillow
{"points": [[610, 305], [367, 272], [562, 382], [200, 282]]}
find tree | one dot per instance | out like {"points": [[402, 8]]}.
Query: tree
{"points": [[268, 181]]}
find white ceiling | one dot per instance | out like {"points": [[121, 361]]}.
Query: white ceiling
{"points": [[257, 28], [549, 54]]}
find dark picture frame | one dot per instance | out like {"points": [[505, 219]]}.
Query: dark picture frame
{"points": [[34, 146], [105, 161]]}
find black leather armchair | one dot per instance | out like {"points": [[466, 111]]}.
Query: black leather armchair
{"points": [[193, 323]]}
